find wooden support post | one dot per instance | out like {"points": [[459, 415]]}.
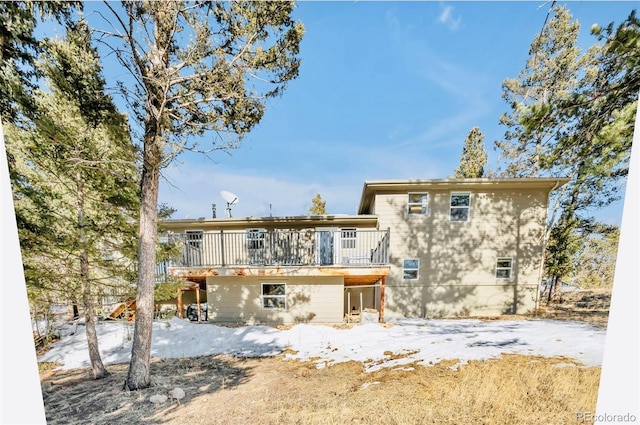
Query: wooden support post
{"points": [[382, 298], [198, 301], [180, 303]]}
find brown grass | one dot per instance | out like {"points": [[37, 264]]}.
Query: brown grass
{"points": [[590, 306], [226, 390]]}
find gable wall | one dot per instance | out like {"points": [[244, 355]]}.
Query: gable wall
{"points": [[458, 259]]}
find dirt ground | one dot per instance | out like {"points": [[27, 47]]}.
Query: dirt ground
{"points": [[222, 389]]}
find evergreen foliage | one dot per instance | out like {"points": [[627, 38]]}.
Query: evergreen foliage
{"points": [[19, 47], [474, 156], [573, 115], [203, 69], [74, 179], [318, 206], [596, 260]]}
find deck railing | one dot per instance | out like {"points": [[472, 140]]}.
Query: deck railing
{"points": [[346, 247]]}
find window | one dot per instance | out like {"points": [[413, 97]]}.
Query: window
{"points": [[194, 238], [255, 238], [503, 268], [274, 296], [418, 203], [193, 250], [460, 203], [348, 238], [410, 268]]}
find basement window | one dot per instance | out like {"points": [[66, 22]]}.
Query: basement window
{"points": [[410, 268], [503, 268], [274, 296]]}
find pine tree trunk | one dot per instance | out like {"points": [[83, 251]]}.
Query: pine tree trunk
{"points": [[74, 308], [97, 366], [138, 376]]}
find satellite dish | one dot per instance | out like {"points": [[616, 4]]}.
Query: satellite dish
{"points": [[231, 199]]}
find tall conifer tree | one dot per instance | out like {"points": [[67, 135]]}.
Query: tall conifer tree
{"points": [[198, 69], [75, 183], [572, 115], [474, 156], [318, 205]]}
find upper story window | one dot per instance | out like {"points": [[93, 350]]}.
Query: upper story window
{"points": [[194, 238], [504, 267], [460, 206], [255, 238], [418, 203], [348, 238]]}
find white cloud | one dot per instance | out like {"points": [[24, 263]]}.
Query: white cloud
{"points": [[192, 190], [446, 17]]}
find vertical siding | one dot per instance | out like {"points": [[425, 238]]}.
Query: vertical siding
{"points": [[458, 259], [309, 299]]}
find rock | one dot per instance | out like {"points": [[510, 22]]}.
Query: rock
{"points": [[177, 393], [158, 398]]}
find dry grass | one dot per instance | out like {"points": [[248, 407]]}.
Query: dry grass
{"points": [[226, 390], [590, 306]]}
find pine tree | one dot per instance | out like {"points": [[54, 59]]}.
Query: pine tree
{"points": [[573, 116], [19, 47], [474, 156], [75, 184], [318, 206], [203, 70], [551, 73], [596, 261]]}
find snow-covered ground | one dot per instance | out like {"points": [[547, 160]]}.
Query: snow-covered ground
{"points": [[426, 341]]}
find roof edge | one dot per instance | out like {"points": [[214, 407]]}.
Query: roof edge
{"points": [[370, 187]]}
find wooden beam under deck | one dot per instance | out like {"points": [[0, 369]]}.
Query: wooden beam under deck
{"points": [[352, 275]]}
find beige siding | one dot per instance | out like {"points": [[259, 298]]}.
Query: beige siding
{"points": [[309, 299], [434, 301], [458, 259]]}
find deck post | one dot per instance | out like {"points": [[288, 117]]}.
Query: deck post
{"points": [[222, 248], [198, 301], [382, 281]]}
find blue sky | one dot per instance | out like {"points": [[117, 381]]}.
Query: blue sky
{"points": [[387, 90]]}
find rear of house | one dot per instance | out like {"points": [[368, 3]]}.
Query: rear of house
{"points": [[416, 248]]}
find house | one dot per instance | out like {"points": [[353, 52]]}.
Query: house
{"points": [[416, 248]]}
